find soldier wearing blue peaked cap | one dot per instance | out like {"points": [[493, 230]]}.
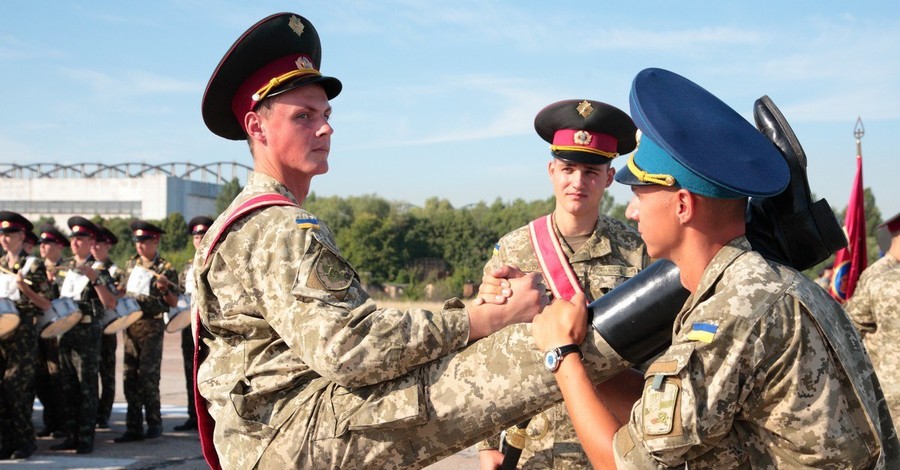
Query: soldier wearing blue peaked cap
{"points": [[764, 369]]}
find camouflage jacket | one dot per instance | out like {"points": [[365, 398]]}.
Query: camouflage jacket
{"points": [[89, 301], [153, 304], [613, 254], [875, 310], [283, 317], [765, 371], [37, 276]]}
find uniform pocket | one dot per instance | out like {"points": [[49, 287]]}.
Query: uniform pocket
{"points": [[668, 401], [398, 403]]}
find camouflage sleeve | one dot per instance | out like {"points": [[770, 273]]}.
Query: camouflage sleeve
{"points": [[40, 283], [693, 391], [859, 307], [172, 276], [313, 300]]}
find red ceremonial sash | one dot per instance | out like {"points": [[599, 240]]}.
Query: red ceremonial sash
{"points": [[205, 422], [558, 273]]}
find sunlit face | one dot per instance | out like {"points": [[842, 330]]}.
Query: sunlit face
{"points": [[51, 251], [147, 248], [12, 241], [100, 250], [296, 130], [81, 245], [654, 210], [579, 187], [197, 239]]}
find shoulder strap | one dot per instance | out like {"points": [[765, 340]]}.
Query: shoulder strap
{"points": [[553, 260], [205, 422]]}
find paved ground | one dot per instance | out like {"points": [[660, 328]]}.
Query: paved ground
{"points": [[172, 451]]}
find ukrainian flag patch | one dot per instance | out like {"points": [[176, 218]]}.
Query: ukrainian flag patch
{"points": [[703, 332], [307, 224], [496, 249]]}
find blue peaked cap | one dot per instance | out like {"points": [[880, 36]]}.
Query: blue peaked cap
{"points": [[706, 146]]}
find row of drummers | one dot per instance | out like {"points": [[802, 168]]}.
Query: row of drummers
{"points": [[63, 313]]}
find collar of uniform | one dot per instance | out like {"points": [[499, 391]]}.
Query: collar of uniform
{"points": [[260, 183], [597, 244], [713, 272]]}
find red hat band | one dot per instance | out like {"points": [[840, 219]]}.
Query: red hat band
{"points": [[268, 78], [585, 141], [8, 225]]}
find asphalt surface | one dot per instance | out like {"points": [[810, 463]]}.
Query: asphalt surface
{"points": [[173, 450]]}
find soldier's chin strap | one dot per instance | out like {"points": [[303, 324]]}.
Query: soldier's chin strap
{"points": [[636, 317]]}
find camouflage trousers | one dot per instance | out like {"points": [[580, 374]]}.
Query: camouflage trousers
{"points": [[430, 413], [107, 375], [17, 388], [48, 383], [79, 359], [187, 355], [143, 343]]}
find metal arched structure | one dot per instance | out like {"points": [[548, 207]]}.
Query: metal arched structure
{"points": [[218, 172]]}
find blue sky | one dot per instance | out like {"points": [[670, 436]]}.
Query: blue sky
{"points": [[439, 97]]}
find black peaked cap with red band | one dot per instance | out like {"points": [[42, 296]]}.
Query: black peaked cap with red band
{"points": [[276, 45], [586, 131]]}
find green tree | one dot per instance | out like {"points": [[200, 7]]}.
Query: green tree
{"points": [[229, 191]]}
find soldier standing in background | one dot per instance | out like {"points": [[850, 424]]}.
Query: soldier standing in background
{"points": [[108, 342], [602, 252], [153, 283], [23, 280], [875, 310], [48, 384], [87, 284], [31, 240], [198, 227]]}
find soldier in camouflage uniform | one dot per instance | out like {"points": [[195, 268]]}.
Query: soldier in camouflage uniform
{"points": [[154, 284], [875, 310], [108, 342], [765, 370], [47, 380], [84, 280], [198, 227], [25, 283], [297, 366], [602, 251]]}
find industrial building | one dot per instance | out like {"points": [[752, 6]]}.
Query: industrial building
{"points": [[123, 190]]}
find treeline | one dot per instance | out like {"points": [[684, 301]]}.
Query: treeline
{"points": [[396, 243]]}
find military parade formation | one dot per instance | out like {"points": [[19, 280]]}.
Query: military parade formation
{"points": [[60, 319], [694, 341]]}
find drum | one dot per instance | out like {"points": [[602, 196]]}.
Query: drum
{"points": [[9, 317], [178, 316], [126, 313], [62, 315]]}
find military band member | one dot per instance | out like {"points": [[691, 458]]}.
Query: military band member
{"points": [[108, 342], [765, 369], [31, 241], [48, 383], [153, 282], [585, 136], [298, 368], [87, 282], [875, 310], [23, 281], [198, 227]]}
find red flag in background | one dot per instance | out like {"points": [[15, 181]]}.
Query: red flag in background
{"points": [[850, 262]]}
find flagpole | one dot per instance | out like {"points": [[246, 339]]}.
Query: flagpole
{"points": [[859, 131]]}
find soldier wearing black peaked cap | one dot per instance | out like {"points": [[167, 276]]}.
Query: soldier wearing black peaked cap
{"points": [[85, 282], [106, 239], [585, 136], [24, 293], [153, 283]]}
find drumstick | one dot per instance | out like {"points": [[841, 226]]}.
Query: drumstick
{"points": [[14, 274]]}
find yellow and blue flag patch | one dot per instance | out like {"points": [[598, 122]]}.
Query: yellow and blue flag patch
{"points": [[308, 223], [496, 249], [701, 331]]}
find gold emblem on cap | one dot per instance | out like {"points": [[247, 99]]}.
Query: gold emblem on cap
{"points": [[139, 232], [585, 109], [296, 25], [582, 137], [5, 224]]}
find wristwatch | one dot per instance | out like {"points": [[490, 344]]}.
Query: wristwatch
{"points": [[553, 357]]}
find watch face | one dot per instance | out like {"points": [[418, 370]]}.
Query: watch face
{"points": [[551, 360]]}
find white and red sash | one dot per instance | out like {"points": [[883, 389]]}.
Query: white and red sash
{"points": [[558, 273], [205, 422]]}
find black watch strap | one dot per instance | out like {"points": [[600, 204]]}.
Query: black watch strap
{"points": [[562, 351]]}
